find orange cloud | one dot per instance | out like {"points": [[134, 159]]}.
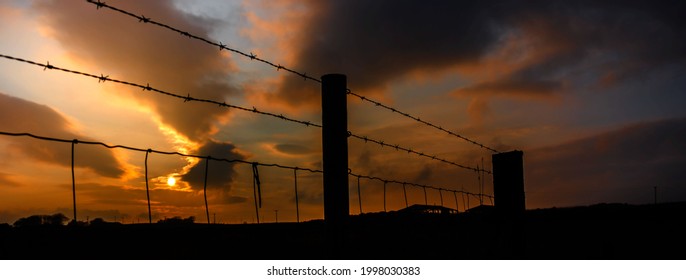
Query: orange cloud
{"points": [[18, 115], [145, 54]]}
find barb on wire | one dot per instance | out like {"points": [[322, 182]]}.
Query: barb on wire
{"points": [[411, 151], [102, 78], [379, 104], [220, 45], [156, 151]]}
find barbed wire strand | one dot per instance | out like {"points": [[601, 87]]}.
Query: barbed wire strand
{"points": [[254, 57], [156, 151], [147, 87], [256, 180], [256, 183], [187, 98], [379, 104], [411, 151], [220, 45]]}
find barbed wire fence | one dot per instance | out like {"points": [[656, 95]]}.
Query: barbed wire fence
{"points": [[222, 47], [251, 56], [256, 179], [207, 158], [405, 184]]}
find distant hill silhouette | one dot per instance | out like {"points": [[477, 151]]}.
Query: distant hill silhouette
{"points": [[603, 231]]}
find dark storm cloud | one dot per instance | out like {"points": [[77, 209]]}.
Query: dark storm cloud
{"points": [[142, 53], [18, 115], [424, 174], [374, 42], [617, 166], [622, 38], [220, 173], [523, 87]]}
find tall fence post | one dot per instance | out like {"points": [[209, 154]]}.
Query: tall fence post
{"points": [[335, 161], [508, 183], [508, 190]]}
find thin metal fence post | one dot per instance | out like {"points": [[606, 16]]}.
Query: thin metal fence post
{"points": [[456, 205], [147, 191], [257, 191], [426, 200], [73, 177], [204, 191], [441, 195], [359, 194], [384, 195], [297, 205]]}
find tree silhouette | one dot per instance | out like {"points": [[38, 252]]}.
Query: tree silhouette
{"points": [[176, 220], [38, 220]]}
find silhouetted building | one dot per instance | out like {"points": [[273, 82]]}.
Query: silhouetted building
{"points": [[481, 209], [508, 182], [427, 209]]}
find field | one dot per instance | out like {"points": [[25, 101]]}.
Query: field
{"points": [[604, 231]]}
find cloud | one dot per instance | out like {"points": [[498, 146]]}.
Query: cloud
{"points": [[6, 180], [293, 149], [616, 166], [220, 174], [511, 87], [142, 53], [508, 47], [374, 42], [18, 115]]}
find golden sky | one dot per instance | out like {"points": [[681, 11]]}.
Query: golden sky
{"points": [[591, 92]]}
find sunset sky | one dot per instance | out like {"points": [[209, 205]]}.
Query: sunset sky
{"points": [[591, 91]]}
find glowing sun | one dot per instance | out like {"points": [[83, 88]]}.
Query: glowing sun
{"points": [[171, 181]]}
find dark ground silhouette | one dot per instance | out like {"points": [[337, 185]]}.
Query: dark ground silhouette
{"points": [[603, 231]]}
